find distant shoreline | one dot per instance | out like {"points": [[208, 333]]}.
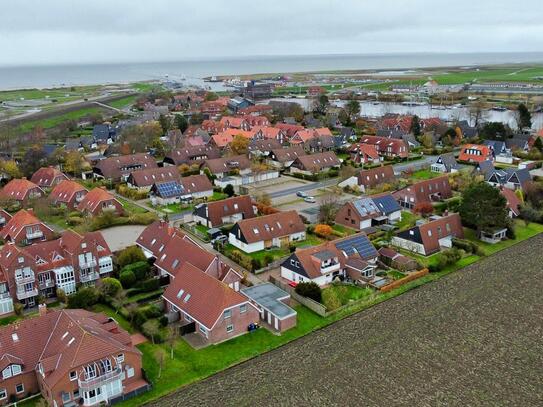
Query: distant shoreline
{"points": [[193, 71]]}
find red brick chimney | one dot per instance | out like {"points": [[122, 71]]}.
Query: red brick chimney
{"points": [[42, 309]]}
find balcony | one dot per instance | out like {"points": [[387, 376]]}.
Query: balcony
{"points": [[21, 295], [46, 284], [89, 384], [91, 276], [37, 234], [25, 279], [335, 266], [87, 264]]}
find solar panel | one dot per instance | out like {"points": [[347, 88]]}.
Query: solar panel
{"points": [[169, 189], [387, 204], [359, 244]]}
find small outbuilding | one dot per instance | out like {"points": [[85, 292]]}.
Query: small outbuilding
{"points": [[272, 303]]}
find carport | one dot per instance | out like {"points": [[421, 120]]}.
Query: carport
{"points": [[271, 302]]}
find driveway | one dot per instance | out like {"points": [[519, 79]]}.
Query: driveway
{"points": [[120, 237]]}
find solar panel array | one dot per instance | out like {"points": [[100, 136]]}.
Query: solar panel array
{"points": [[387, 204], [358, 244], [169, 189], [365, 206]]}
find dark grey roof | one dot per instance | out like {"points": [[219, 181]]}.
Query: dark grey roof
{"points": [[448, 160], [324, 255], [412, 235], [410, 140], [387, 204], [485, 166], [390, 133], [269, 296]]}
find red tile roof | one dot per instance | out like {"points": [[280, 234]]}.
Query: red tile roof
{"points": [[201, 296], [19, 189], [93, 198], [46, 176], [475, 152], [268, 227], [513, 201], [64, 191], [147, 177], [179, 250], [19, 222]]}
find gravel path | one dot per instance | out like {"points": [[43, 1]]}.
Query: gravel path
{"points": [[474, 338]]}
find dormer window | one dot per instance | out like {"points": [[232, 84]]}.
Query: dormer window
{"points": [[73, 375], [83, 245], [21, 259]]}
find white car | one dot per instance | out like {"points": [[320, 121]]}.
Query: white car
{"points": [[310, 199]]}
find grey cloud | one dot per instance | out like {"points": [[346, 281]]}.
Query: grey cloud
{"points": [[68, 31]]}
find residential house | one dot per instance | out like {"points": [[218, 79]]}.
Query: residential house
{"points": [[264, 232], [269, 133], [208, 306], [366, 212], [431, 190], [152, 240], [4, 218], [119, 168], [25, 228], [511, 178], [519, 142], [499, 150], [48, 177], [289, 129], [230, 122], [315, 163], [222, 167], [282, 158], [445, 163], [143, 180], [273, 306], [237, 104], [184, 190], [227, 211], [429, 237], [386, 147], [475, 153], [103, 134], [513, 202], [73, 357], [368, 179], [68, 193], [364, 154], [256, 121], [465, 130], [353, 256], [70, 260], [190, 155], [261, 148], [17, 278], [318, 144], [21, 190], [98, 200]]}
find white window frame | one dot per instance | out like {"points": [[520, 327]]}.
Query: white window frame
{"points": [[229, 328], [22, 388], [73, 376]]}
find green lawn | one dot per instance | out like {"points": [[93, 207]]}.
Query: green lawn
{"points": [[424, 174], [201, 228], [337, 295], [124, 102], [56, 120], [343, 230], [408, 220], [175, 208], [395, 274], [130, 207], [522, 232], [217, 196]]}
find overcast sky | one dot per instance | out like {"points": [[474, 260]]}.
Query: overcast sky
{"points": [[74, 31]]}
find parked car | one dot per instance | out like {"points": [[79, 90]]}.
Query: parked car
{"points": [[221, 239], [310, 199], [301, 194]]}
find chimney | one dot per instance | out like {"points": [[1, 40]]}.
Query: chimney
{"points": [[42, 309]]}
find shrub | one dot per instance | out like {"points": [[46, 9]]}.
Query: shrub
{"points": [[18, 308], [110, 286], [229, 190], [309, 290], [128, 278], [141, 218], [130, 255], [61, 295], [331, 299], [85, 297], [255, 264], [323, 230], [150, 284], [423, 208], [140, 269], [466, 245]]}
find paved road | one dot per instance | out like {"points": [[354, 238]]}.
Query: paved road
{"points": [[414, 165], [474, 338]]}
